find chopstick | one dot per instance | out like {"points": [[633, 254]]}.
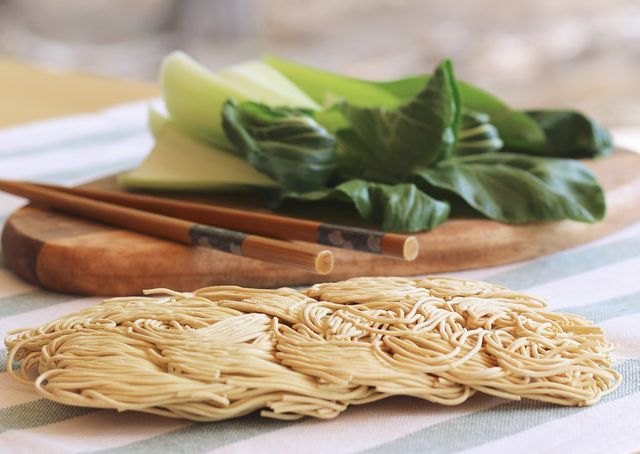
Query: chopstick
{"points": [[178, 230], [276, 226]]}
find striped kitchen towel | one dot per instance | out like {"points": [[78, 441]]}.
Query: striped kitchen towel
{"points": [[598, 280]]}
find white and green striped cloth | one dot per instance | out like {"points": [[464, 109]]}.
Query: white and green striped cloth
{"points": [[600, 280]]}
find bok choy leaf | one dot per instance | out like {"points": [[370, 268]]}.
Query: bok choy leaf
{"points": [[570, 134], [285, 143], [518, 188], [477, 134], [396, 208], [516, 129], [387, 145]]}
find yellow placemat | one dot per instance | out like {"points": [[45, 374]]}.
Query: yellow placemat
{"points": [[28, 93]]}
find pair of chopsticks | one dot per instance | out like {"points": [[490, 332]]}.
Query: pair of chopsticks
{"points": [[248, 234]]}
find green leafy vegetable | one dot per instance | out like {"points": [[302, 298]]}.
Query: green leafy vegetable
{"points": [[516, 129], [403, 153], [517, 188], [477, 134], [325, 87], [387, 145], [396, 208], [285, 143], [429, 141], [570, 134], [264, 84]]}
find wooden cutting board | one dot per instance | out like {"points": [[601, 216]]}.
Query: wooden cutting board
{"points": [[68, 254]]}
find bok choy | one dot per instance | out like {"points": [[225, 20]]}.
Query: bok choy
{"points": [[405, 154]]}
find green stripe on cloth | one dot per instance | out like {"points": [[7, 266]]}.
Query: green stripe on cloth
{"points": [[203, 436], [568, 263], [608, 309], [32, 300], [38, 413], [3, 359], [472, 430]]}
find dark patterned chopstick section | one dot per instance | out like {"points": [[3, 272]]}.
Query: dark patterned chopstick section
{"points": [[214, 237], [363, 240]]}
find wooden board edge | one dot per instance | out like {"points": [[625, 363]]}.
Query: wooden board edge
{"points": [[20, 253]]}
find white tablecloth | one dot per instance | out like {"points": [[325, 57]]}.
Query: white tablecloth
{"points": [[600, 280]]}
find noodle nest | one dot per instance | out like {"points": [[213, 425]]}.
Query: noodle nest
{"points": [[225, 351]]}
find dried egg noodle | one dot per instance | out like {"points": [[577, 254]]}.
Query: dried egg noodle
{"points": [[225, 351]]}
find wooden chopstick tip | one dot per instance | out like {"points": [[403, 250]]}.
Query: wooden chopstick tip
{"points": [[410, 248], [324, 262]]}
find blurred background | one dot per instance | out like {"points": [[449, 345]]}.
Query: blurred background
{"points": [[572, 53]]}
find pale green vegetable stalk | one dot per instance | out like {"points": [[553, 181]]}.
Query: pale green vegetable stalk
{"points": [[156, 121], [266, 85], [181, 162], [191, 150], [194, 96]]}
